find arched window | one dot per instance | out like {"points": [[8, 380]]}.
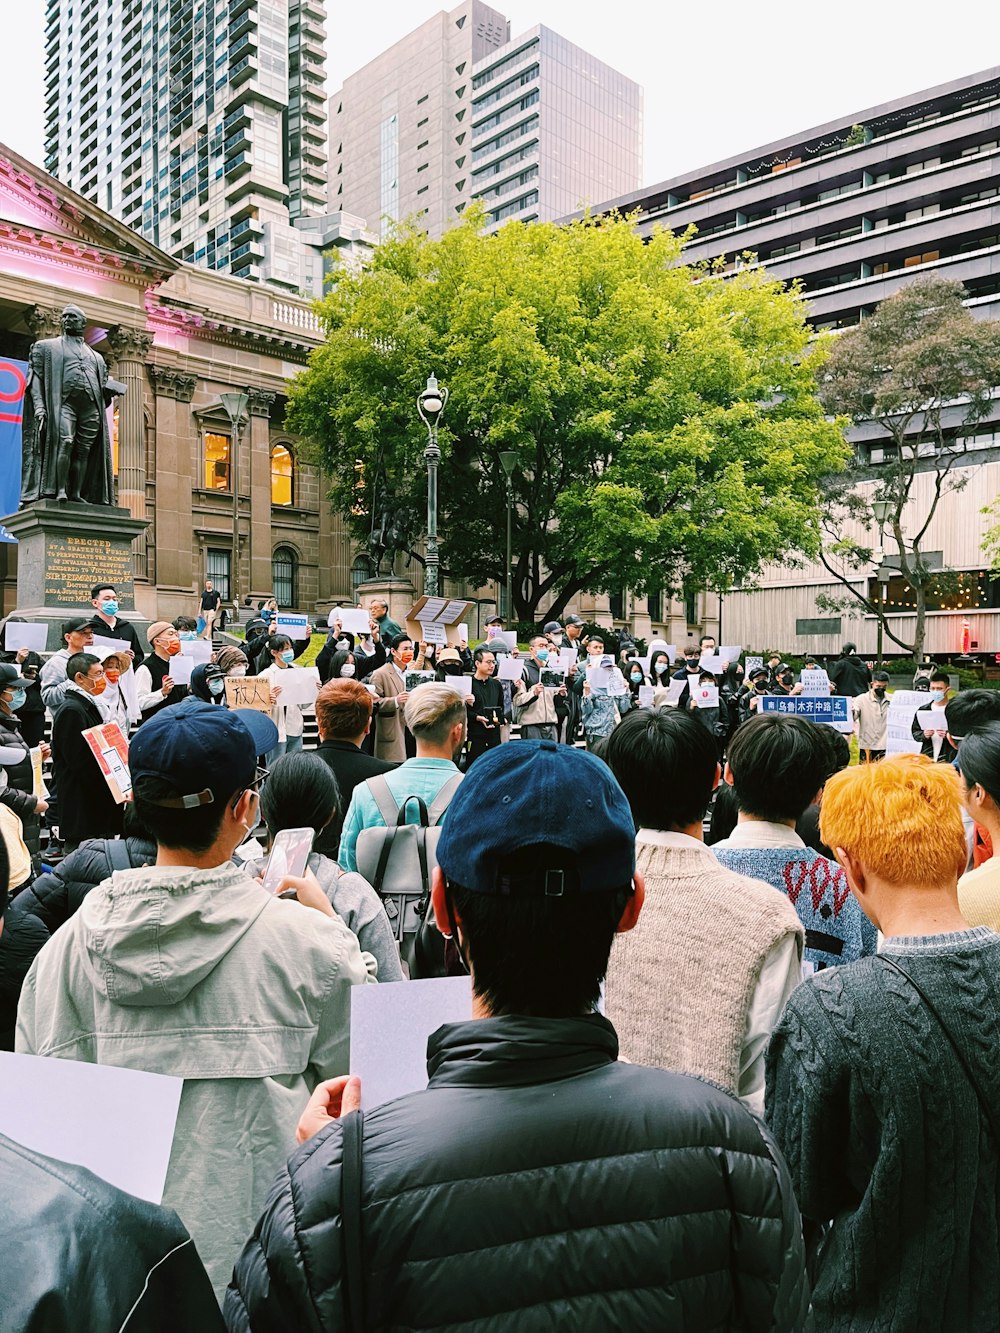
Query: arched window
{"points": [[362, 570], [282, 476], [284, 567]]}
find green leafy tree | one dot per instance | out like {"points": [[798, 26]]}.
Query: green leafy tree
{"points": [[924, 369], [665, 420]]}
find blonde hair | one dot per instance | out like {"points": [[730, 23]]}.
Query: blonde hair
{"points": [[432, 710], [900, 818]]}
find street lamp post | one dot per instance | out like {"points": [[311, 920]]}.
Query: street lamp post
{"points": [[430, 406], [881, 509], [508, 461], [235, 404]]}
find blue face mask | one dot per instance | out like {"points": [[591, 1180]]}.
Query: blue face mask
{"points": [[937, 695], [288, 655], [216, 686], [109, 608], [17, 700], [635, 675], [187, 634], [542, 654]]}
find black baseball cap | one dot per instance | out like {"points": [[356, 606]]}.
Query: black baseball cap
{"points": [[77, 623]]}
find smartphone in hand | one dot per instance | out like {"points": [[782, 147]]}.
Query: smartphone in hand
{"points": [[289, 856]]}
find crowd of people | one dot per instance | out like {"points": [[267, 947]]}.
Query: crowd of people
{"points": [[729, 1057]]}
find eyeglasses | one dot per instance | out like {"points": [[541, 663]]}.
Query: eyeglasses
{"points": [[260, 776]]}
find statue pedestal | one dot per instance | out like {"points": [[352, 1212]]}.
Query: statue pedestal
{"points": [[62, 551], [398, 593]]}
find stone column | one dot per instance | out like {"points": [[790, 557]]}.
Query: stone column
{"points": [[174, 462], [43, 321], [257, 479], [129, 348]]}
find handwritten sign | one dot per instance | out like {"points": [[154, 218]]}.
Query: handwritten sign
{"points": [[646, 693], [249, 692], [110, 749], [815, 682], [903, 704], [833, 710]]}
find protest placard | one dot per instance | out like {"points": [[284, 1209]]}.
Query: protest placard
{"points": [[903, 704], [752, 664], [249, 692], [507, 637], [463, 634], [932, 719], [460, 684], [706, 696], [432, 631], [731, 653], [355, 620], [102, 647], [834, 710], [568, 658], [121, 1125], [38, 787], [414, 679], [199, 650], [445, 613], [110, 749], [509, 668], [599, 678], [712, 662], [389, 1032], [299, 685], [180, 669], [555, 679], [17, 635], [675, 688], [814, 682], [646, 693], [296, 627]]}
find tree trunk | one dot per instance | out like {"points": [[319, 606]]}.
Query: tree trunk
{"points": [[920, 626]]}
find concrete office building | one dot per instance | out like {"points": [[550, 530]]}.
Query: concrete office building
{"points": [[852, 210], [201, 126], [457, 111]]}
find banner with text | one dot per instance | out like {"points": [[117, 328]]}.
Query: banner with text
{"points": [[835, 710]]}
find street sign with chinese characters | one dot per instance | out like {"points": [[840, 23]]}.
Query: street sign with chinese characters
{"points": [[835, 710]]}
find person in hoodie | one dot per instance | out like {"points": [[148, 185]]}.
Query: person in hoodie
{"points": [[189, 968]]}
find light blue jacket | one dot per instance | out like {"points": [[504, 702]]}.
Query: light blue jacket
{"points": [[415, 777]]}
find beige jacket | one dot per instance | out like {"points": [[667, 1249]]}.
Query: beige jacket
{"points": [[872, 716], [390, 730]]}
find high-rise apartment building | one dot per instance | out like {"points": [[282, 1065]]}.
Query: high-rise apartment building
{"points": [[199, 123], [457, 111]]}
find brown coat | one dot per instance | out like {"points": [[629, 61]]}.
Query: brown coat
{"points": [[390, 730]]}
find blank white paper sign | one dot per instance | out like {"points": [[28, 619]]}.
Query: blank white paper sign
{"points": [[20, 635], [390, 1025], [118, 1123], [180, 669], [355, 620]]}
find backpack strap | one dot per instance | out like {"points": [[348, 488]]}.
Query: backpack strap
{"points": [[352, 1126], [118, 854], [383, 798], [443, 799]]}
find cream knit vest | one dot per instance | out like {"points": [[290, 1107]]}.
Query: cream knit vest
{"points": [[679, 985]]}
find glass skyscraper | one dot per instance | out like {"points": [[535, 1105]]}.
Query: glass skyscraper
{"points": [[199, 123]]}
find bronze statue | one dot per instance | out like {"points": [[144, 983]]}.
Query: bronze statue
{"points": [[391, 534], [66, 450]]}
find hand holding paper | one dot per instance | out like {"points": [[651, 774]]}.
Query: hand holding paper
{"points": [[331, 1099]]}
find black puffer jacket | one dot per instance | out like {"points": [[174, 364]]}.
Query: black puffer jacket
{"points": [[537, 1184], [20, 778], [40, 909]]}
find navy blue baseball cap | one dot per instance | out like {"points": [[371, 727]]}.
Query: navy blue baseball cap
{"points": [[203, 752], [537, 818]]}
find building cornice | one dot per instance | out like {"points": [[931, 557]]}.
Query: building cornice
{"points": [[76, 254]]}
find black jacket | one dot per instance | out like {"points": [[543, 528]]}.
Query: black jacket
{"points": [[122, 630], [850, 676], [946, 755], [86, 807], [350, 766], [80, 1256], [537, 1184], [19, 792]]}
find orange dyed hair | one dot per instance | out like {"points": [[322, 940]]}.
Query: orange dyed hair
{"points": [[900, 818]]}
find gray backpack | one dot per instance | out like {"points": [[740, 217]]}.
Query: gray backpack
{"points": [[397, 858]]}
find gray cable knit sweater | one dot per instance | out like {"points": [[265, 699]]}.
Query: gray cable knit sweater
{"points": [[885, 1138]]}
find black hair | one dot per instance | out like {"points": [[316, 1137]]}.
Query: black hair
{"points": [[192, 830], [979, 758], [481, 652], [80, 664], [338, 660], [881, 675], [133, 825], [397, 641], [300, 792], [4, 878], [939, 673], [543, 957], [277, 643], [654, 658], [665, 762], [778, 764], [971, 710], [98, 588], [838, 749], [849, 648], [725, 814]]}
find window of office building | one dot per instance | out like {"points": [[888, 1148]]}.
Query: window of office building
{"points": [[284, 566], [218, 464], [282, 476]]}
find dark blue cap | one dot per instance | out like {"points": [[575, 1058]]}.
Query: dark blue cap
{"points": [[203, 752], [534, 817]]}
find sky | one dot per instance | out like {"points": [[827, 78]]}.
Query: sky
{"points": [[718, 78]]}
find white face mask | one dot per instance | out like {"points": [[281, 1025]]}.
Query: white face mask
{"points": [[347, 669], [237, 671]]}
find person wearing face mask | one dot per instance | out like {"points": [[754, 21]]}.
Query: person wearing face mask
{"points": [[331, 656], [871, 712], [536, 706], [15, 761], [635, 678], [660, 671], [749, 700], [392, 740], [154, 685], [286, 717], [112, 702], [344, 721], [107, 625], [232, 662], [688, 670], [86, 807], [188, 967], [187, 628], [935, 743], [208, 685]]}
